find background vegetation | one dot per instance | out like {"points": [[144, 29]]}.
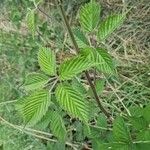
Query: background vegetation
{"points": [[18, 56]]}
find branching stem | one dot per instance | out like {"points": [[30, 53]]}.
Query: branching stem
{"points": [[77, 50]]}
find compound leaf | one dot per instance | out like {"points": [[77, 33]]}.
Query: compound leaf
{"points": [[102, 59]]}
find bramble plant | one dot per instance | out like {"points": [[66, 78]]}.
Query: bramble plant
{"points": [[62, 90]]}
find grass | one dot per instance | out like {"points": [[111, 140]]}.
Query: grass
{"points": [[129, 46]]}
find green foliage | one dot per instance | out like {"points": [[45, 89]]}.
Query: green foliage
{"points": [[37, 2], [80, 38], [101, 58], [76, 84], [31, 21], [35, 81], [89, 16], [120, 146], [44, 122], [139, 118], [57, 126], [72, 101], [64, 104], [139, 122], [70, 68], [144, 135], [99, 85], [34, 106], [146, 113], [109, 25], [142, 146], [56, 146], [133, 137], [102, 121], [120, 131], [47, 61]]}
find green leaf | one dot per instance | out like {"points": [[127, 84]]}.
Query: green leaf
{"points": [[47, 61], [146, 113], [138, 122], [90, 16], [136, 111], [120, 131], [57, 126], [80, 38], [99, 85], [109, 25], [44, 122], [120, 146], [72, 101], [112, 146], [102, 121], [35, 81], [102, 59], [91, 132], [76, 84], [74, 66], [79, 134], [93, 109], [142, 146], [35, 106], [31, 22], [1, 145], [144, 135], [56, 146], [97, 144], [38, 1]]}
